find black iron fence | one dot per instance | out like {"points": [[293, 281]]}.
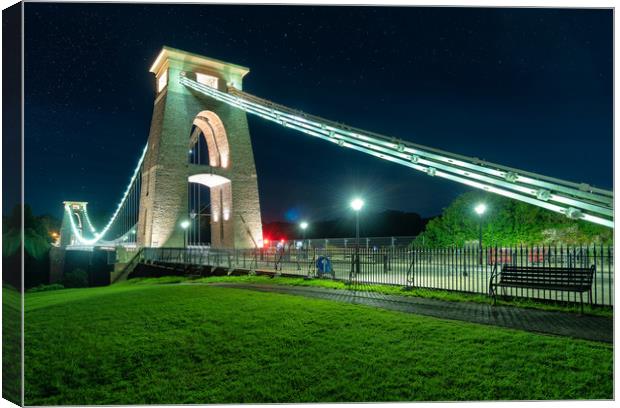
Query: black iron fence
{"points": [[453, 269], [370, 243]]}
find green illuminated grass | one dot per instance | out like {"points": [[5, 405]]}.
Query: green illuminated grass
{"points": [[384, 289], [141, 343], [11, 344]]}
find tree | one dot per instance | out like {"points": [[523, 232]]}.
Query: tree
{"points": [[36, 247], [507, 222]]}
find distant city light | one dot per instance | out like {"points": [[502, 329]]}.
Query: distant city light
{"points": [[303, 225]]}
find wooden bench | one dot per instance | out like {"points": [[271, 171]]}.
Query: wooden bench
{"points": [[564, 279]]}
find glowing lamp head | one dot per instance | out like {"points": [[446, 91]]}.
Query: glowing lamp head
{"points": [[303, 225], [357, 204], [480, 208], [185, 224]]}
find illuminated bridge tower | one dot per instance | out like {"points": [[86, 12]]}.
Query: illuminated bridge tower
{"points": [[180, 117]]}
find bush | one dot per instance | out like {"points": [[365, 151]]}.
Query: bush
{"points": [[45, 288], [78, 278]]}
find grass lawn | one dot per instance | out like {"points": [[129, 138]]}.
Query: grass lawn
{"points": [[11, 344], [451, 296], [146, 343]]}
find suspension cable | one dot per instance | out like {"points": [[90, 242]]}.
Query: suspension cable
{"points": [[99, 235], [576, 201]]}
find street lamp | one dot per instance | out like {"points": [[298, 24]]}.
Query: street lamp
{"points": [[480, 209], [303, 225], [185, 226], [192, 216], [357, 205], [304, 248]]}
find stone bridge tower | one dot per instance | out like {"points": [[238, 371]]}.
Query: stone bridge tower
{"points": [[230, 173], [77, 210]]}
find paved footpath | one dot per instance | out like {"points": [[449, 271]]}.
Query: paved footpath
{"points": [[557, 323]]}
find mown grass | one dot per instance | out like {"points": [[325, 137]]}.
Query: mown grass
{"points": [[386, 290], [141, 343], [11, 344]]}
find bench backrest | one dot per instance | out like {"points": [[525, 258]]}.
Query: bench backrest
{"points": [[547, 276]]}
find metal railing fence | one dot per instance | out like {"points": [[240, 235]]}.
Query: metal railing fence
{"points": [[454, 269], [346, 243]]}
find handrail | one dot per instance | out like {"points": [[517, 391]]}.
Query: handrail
{"points": [[130, 265]]}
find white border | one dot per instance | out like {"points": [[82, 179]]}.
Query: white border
{"points": [[466, 3]]}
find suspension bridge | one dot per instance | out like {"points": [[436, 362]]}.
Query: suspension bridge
{"points": [[199, 145]]}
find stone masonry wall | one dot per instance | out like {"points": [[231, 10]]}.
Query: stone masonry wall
{"points": [[166, 167]]}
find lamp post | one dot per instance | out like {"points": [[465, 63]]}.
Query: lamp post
{"points": [[304, 249], [192, 216], [357, 205], [480, 210], [303, 227], [185, 226]]}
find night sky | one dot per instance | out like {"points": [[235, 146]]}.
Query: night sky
{"points": [[529, 88]]}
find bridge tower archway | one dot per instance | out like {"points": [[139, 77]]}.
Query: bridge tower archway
{"points": [[167, 172]]}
